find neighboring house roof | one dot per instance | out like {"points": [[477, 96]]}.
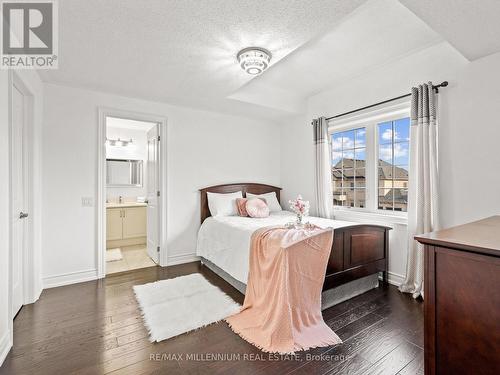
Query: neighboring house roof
{"points": [[385, 170], [400, 196]]}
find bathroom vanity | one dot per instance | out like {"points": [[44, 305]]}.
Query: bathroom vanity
{"points": [[126, 224]]}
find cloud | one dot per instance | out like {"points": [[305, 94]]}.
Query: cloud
{"points": [[346, 142], [399, 150], [337, 155], [336, 143], [385, 151], [349, 154], [387, 135]]}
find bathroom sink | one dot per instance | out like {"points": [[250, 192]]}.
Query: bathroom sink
{"points": [[125, 204]]}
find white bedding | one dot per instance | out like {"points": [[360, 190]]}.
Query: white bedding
{"points": [[225, 241]]}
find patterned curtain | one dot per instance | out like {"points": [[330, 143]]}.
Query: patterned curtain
{"points": [[323, 176], [423, 183]]}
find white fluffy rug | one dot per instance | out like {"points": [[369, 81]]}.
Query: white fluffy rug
{"points": [[113, 255], [174, 306]]}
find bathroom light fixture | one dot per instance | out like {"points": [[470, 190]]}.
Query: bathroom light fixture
{"points": [[118, 142], [254, 60]]}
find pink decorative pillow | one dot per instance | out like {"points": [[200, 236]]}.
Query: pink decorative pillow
{"points": [[241, 205], [257, 208]]}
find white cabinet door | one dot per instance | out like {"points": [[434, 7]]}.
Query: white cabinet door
{"points": [[134, 222], [114, 230]]}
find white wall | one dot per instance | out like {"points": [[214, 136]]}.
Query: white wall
{"points": [[137, 151], [469, 136], [203, 149], [297, 160], [468, 133], [32, 81]]}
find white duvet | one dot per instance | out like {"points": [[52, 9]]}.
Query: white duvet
{"points": [[225, 241]]}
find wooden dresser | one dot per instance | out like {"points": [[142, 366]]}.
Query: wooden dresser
{"points": [[462, 299]]}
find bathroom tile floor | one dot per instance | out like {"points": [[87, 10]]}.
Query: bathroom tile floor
{"points": [[134, 257]]}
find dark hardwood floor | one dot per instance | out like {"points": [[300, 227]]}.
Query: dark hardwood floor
{"points": [[96, 328]]}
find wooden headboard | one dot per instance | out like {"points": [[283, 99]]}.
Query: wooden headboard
{"points": [[232, 188]]}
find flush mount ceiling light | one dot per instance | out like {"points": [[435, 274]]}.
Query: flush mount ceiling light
{"points": [[254, 60]]}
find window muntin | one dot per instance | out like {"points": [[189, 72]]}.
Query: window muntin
{"points": [[349, 168], [393, 159], [370, 157]]}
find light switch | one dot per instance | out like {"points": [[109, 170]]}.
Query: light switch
{"points": [[87, 202]]}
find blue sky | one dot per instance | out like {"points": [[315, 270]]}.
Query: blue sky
{"points": [[352, 143]]}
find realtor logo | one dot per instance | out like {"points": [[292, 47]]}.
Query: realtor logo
{"points": [[29, 34]]}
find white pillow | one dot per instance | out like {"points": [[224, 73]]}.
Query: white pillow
{"points": [[271, 200], [223, 204]]}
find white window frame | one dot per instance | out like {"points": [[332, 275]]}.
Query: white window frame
{"points": [[369, 120]]}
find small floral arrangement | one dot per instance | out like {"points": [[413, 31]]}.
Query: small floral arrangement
{"points": [[300, 207]]}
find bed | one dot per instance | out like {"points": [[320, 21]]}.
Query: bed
{"points": [[359, 251]]}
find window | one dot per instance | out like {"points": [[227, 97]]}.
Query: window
{"points": [[369, 161], [348, 168], [393, 152]]}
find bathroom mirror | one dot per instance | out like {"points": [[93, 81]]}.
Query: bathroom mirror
{"points": [[121, 172]]}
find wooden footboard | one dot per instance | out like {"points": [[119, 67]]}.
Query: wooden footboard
{"points": [[357, 251]]}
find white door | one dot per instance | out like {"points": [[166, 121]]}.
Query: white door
{"points": [[18, 214], [153, 187]]}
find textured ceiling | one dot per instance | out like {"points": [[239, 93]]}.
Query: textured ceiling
{"points": [[375, 34], [471, 26], [181, 51]]}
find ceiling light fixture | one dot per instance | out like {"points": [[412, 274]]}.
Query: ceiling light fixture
{"points": [[254, 60], [118, 142]]}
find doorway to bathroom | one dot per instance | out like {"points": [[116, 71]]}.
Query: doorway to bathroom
{"points": [[132, 192]]}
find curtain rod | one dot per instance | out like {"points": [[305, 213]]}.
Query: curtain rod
{"points": [[436, 87]]}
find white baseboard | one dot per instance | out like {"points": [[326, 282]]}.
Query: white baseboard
{"points": [[394, 278], [182, 258], [5, 345], [69, 278], [38, 292]]}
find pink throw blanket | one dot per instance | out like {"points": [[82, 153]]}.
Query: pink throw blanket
{"points": [[282, 308]]}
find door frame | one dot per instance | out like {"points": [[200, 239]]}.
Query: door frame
{"points": [[28, 262], [103, 113]]}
